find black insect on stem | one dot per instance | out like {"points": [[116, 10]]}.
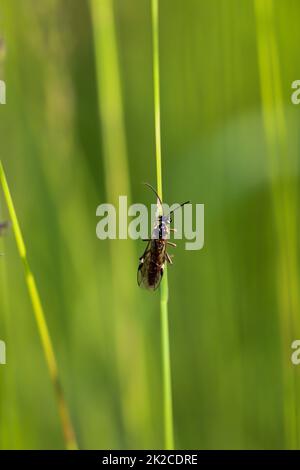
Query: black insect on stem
{"points": [[152, 262], [3, 226]]}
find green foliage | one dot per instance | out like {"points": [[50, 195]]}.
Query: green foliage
{"points": [[229, 140]]}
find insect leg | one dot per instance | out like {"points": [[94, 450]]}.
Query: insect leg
{"points": [[169, 259], [158, 265], [171, 244]]}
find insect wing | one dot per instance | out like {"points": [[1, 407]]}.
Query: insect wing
{"points": [[158, 279], [149, 275], [142, 273]]}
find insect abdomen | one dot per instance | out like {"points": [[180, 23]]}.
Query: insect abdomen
{"points": [[156, 263]]}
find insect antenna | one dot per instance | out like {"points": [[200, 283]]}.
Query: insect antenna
{"points": [[180, 205], [155, 192]]}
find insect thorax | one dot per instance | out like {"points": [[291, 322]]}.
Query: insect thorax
{"points": [[161, 228]]}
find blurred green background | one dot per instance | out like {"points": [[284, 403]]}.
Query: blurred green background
{"points": [[77, 131]]}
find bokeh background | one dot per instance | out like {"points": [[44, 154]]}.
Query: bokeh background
{"points": [[77, 131]]}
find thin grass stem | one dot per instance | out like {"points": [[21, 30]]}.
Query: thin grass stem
{"points": [[165, 337], [67, 428]]}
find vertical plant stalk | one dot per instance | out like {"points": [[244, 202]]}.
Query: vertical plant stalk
{"points": [[284, 202], [117, 181], [67, 428], [165, 337]]}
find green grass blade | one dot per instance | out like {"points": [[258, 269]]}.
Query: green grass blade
{"points": [[67, 427], [166, 360], [135, 414], [156, 84], [284, 204]]}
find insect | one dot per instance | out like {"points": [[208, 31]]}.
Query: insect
{"points": [[153, 260], [3, 226]]}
